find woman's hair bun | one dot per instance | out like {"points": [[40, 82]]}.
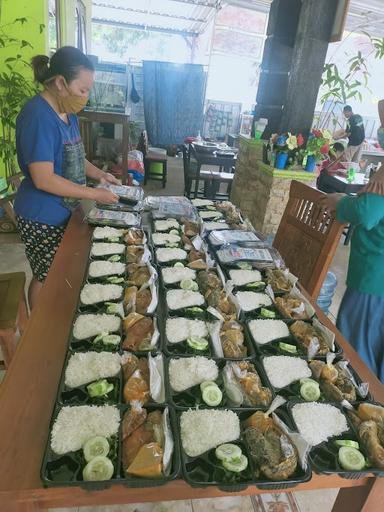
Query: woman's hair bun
{"points": [[40, 66]]}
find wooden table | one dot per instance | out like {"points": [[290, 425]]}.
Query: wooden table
{"points": [[210, 159], [27, 397]]}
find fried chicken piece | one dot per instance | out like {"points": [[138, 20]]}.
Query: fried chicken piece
{"points": [[143, 300], [273, 453], [139, 276], [207, 280], [132, 444], [305, 333], [369, 411], [286, 305], [257, 395], [134, 253], [196, 255], [278, 281], [130, 296], [134, 237], [369, 435], [191, 229], [139, 330], [334, 381]]}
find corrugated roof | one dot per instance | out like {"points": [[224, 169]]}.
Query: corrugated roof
{"points": [[180, 16], [192, 16]]}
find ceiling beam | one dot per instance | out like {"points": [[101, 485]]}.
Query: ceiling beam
{"points": [[138, 26], [146, 12]]}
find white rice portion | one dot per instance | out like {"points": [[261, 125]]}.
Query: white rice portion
{"points": [[100, 233], [87, 326], [190, 371], [170, 254], [210, 214], [178, 299], [105, 268], [106, 249], [173, 275], [318, 422], [265, 331], [253, 300], [84, 367], [283, 370], [165, 225], [242, 277], [201, 202], [179, 329], [94, 293], [75, 425], [210, 226], [165, 238], [202, 430]]}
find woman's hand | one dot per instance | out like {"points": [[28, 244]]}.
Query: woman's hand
{"points": [[109, 178], [104, 196], [329, 202]]}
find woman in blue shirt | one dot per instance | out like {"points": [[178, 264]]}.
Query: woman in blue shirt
{"points": [[52, 158]]}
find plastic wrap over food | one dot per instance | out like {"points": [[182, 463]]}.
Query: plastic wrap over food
{"points": [[214, 331], [258, 256], [233, 389], [232, 236], [306, 306], [152, 284], [363, 388], [113, 218], [156, 377], [168, 443], [302, 447]]}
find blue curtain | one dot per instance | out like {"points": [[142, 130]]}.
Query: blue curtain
{"points": [[173, 101]]}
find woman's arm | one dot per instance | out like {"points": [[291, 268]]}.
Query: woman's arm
{"points": [[97, 174], [366, 210], [45, 179]]}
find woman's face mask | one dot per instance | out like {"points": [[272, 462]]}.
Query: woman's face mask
{"points": [[72, 103]]}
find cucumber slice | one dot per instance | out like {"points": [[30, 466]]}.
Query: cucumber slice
{"points": [[266, 313], [306, 379], [114, 257], [287, 347], [171, 245], [244, 265], [347, 442], [197, 343], [256, 284], [174, 232], [310, 391], [94, 447], [351, 459], [189, 284], [228, 451], [212, 395], [111, 339], [115, 280], [99, 468], [113, 239], [178, 264], [100, 337], [236, 466], [207, 383], [195, 310], [99, 388]]}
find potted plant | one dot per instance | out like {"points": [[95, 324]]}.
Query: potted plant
{"points": [[317, 147], [286, 148], [16, 87]]}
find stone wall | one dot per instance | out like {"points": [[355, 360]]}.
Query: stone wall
{"points": [[260, 191]]}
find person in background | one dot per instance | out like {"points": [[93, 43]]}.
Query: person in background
{"points": [[51, 156], [356, 134], [361, 313], [331, 166]]}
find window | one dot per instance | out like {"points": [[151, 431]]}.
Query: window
{"points": [[80, 17]]}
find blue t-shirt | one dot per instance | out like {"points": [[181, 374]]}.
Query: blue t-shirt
{"points": [[42, 136]]}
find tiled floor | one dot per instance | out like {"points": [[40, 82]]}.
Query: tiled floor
{"points": [[12, 259]]}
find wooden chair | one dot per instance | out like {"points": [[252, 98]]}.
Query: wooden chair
{"points": [[153, 156], [218, 178], [13, 313], [307, 237], [190, 174]]}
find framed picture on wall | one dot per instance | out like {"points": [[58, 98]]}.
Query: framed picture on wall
{"points": [[246, 125]]}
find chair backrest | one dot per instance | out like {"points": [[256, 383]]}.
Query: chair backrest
{"points": [[143, 143], [307, 237]]}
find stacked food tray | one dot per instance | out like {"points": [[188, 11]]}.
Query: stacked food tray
{"points": [[194, 354]]}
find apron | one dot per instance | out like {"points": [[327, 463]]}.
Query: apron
{"points": [[73, 169]]}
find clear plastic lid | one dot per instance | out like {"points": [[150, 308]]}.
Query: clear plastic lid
{"points": [[131, 195], [113, 218], [232, 236]]}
